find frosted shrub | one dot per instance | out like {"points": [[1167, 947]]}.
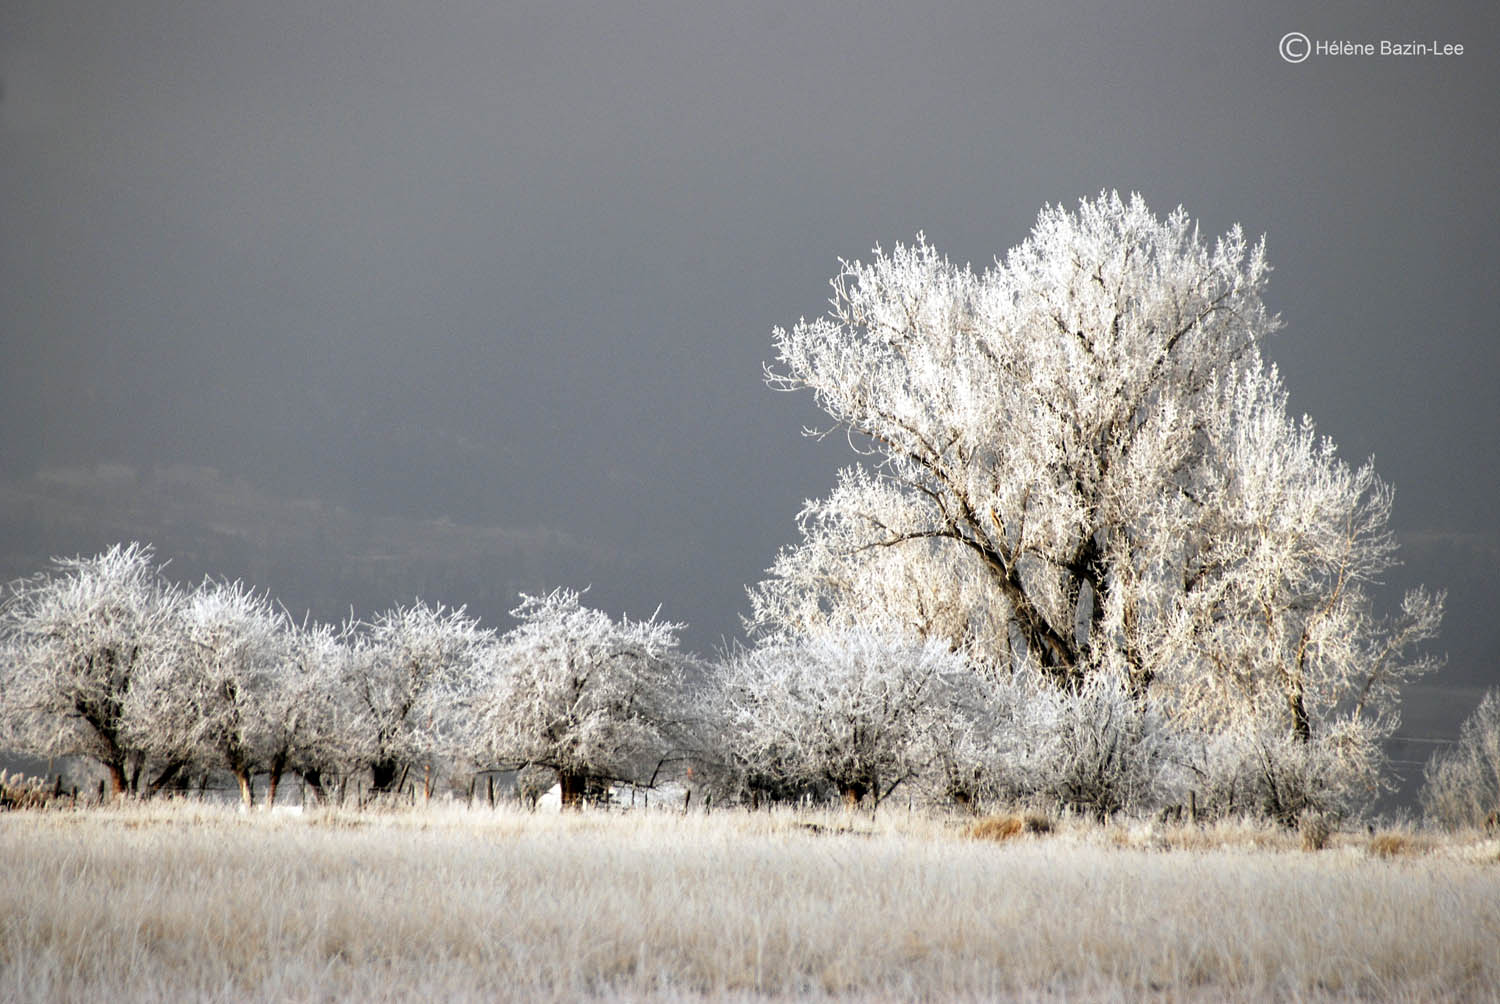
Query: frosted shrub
{"points": [[994, 742], [1273, 774], [1109, 751], [1095, 749], [1462, 786]]}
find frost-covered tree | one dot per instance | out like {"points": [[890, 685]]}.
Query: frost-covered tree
{"points": [[408, 672], [580, 693], [77, 638], [850, 708], [1461, 786], [309, 710], [1085, 446], [211, 704]]}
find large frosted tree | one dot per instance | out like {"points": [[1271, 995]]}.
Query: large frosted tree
{"points": [[1080, 462]]}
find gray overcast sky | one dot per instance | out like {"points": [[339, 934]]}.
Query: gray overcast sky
{"points": [[364, 300]]}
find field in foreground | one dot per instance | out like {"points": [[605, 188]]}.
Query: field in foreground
{"points": [[193, 902]]}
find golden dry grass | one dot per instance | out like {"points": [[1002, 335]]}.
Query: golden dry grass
{"points": [[1390, 845], [1401, 843], [1000, 828], [199, 903]]}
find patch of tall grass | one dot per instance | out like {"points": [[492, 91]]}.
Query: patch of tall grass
{"points": [[198, 902]]}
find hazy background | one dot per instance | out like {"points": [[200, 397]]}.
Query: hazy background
{"points": [[362, 301]]}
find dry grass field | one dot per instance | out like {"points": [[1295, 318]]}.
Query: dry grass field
{"points": [[192, 902]]}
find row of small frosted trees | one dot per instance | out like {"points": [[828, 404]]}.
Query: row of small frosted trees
{"points": [[107, 659]]}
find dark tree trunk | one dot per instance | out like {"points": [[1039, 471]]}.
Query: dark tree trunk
{"points": [[118, 782], [273, 779], [170, 776], [571, 786], [1300, 725], [247, 790], [383, 776], [314, 780]]}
